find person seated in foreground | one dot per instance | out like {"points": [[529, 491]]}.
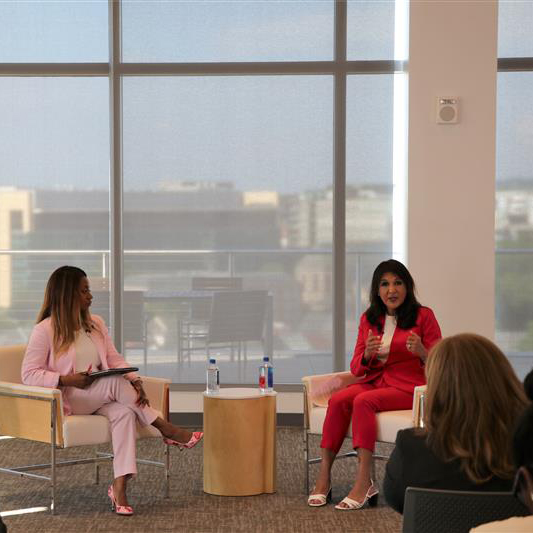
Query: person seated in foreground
{"points": [[523, 486], [472, 403], [395, 334], [68, 343]]}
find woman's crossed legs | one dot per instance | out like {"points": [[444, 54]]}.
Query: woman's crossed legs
{"points": [[115, 398]]}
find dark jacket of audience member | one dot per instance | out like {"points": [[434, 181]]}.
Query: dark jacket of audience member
{"points": [[472, 403], [523, 436], [523, 449], [413, 464]]}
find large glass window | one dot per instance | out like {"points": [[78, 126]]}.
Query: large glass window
{"points": [[230, 167], [205, 31], [514, 187], [54, 189], [514, 218], [53, 32], [515, 20], [369, 147], [212, 165], [363, 44]]}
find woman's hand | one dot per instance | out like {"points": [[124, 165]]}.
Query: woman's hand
{"points": [[142, 399], [373, 344], [80, 380], [414, 345]]}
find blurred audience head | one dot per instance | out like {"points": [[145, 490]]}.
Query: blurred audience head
{"points": [[472, 401]]}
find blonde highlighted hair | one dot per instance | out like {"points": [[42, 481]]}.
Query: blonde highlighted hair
{"points": [[62, 304], [473, 401]]}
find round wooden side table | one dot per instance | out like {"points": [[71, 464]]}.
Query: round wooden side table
{"points": [[239, 442]]}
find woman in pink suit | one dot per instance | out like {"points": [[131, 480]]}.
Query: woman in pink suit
{"points": [[395, 335], [66, 344]]}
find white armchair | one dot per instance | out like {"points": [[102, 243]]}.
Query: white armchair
{"points": [[36, 413], [315, 406]]}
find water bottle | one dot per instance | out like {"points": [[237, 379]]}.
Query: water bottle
{"points": [[213, 377], [266, 376]]}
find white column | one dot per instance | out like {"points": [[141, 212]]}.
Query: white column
{"points": [[451, 181]]}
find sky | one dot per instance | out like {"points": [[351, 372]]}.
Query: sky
{"points": [[260, 132]]}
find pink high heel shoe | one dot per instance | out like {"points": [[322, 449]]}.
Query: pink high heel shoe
{"points": [[124, 510], [196, 437]]}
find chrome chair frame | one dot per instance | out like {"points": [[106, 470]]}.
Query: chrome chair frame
{"points": [[12, 394], [24, 471]]}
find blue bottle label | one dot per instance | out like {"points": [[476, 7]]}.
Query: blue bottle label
{"points": [[270, 377]]}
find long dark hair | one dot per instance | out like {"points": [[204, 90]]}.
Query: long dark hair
{"points": [[61, 304], [407, 313]]}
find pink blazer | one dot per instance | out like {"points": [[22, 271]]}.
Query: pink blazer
{"points": [[41, 367], [403, 369]]}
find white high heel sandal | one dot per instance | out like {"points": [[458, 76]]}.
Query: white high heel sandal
{"points": [[371, 497], [321, 498]]}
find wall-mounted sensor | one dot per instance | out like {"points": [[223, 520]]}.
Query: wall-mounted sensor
{"points": [[447, 110]]}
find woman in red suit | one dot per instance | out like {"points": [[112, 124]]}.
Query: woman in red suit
{"points": [[395, 335]]}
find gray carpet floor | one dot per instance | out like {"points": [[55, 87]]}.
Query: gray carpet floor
{"points": [[84, 506]]}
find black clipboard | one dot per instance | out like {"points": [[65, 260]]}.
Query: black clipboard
{"points": [[112, 372]]}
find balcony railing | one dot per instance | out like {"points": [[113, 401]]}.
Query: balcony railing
{"points": [[310, 269]]}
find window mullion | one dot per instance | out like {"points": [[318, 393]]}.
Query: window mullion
{"points": [[339, 190], [116, 263]]}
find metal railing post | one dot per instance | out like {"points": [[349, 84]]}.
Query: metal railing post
{"points": [[96, 467], [357, 286], [104, 265], [167, 471], [53, 425], [231, 263]]}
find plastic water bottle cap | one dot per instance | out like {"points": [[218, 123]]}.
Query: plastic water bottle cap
{"points": [[265, 359], [212, 361]]}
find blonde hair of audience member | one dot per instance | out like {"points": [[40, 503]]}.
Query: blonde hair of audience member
{"points": [[62, 304], [472, 402]]}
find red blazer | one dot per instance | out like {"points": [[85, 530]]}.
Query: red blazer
{"points": [[403, 369]]}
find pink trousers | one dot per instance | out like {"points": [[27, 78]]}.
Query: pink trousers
{"points": [[359, 404], [115, 398]]}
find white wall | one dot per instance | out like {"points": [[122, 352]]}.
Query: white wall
{"points": [[451, 168]]}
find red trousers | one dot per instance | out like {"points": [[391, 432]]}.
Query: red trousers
{"points": [[359, 404]]}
